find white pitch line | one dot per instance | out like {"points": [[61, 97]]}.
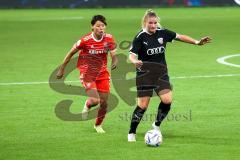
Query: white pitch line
{"points": [[206, 76], [179, 77], [221, 60], [30, 83]]}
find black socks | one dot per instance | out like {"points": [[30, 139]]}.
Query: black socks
{"points": [[163, 110], [138, 113], [136, 118]]}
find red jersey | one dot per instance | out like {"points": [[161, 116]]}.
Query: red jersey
{"points": [[92, 61]]}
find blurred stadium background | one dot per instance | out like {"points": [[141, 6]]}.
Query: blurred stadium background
{"points": [[112, 3]]}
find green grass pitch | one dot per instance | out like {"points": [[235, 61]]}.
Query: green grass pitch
{"points": [[34, 42]]}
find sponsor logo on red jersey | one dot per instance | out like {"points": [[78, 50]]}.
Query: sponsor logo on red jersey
{"points": [[93, 53]]}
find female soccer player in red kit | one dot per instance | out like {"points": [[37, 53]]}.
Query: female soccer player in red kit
{"points": [[92, 64]]}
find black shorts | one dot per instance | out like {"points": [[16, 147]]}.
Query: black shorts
{"points": [[146, 84]]}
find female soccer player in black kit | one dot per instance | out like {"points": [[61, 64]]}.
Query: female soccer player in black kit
{"points": [[147, 53]]}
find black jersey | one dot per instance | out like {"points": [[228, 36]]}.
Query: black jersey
{"points": [[151, 48]]}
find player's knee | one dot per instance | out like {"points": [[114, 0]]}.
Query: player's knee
{"points": [[94, 101], [143, 105], [143, 102], [166, 100]]}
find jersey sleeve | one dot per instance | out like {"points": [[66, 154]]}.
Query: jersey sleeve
{"points": [[136, 45], [170, 35], [112, 44], [79, 44]]}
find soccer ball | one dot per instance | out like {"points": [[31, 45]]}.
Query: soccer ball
{"points": [[153, 138]]}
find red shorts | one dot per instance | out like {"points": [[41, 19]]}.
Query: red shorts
{"points": [[100, 83]]}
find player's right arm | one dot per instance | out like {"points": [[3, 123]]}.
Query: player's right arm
{"points": [[67, 58], [133, 58], [134, 50]]}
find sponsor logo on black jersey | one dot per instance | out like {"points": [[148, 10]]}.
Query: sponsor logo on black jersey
{"points": [[158, 50]]}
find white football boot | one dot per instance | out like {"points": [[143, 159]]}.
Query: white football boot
{"points": [[131, 137], [156, 128], [99, 129]]}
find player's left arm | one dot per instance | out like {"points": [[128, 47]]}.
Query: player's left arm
{"points": [[187, 39], [113, 54]]}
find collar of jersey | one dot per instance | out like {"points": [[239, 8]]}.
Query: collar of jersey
{"points": [[96, 39], [145, 30]]}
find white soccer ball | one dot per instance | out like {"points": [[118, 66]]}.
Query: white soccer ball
{"points": [[153, 138]]}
